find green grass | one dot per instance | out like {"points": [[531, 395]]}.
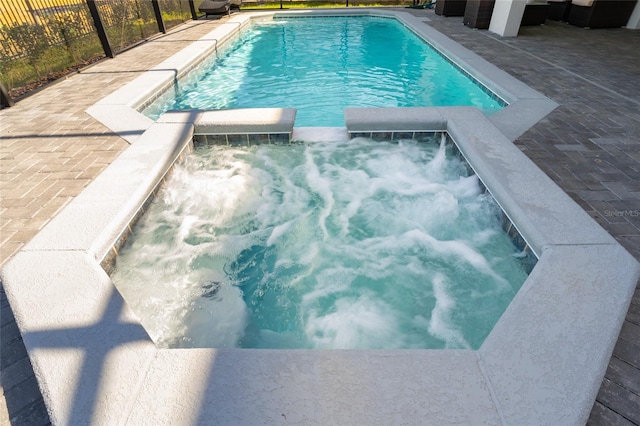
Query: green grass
{"points": [[316, 5]]}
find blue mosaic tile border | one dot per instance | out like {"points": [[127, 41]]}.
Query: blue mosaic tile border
{"points": [[419, 136], [109, 260], [242, 139], [205, 56], [474, 80], [503, 103], [528, 258], [173, 83]]}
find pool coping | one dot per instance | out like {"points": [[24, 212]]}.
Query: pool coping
{"points": [[542, 363]]}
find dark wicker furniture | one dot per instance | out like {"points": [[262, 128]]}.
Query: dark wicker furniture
{"points": [[601, 13], [450, 7], [535, 13], [477, 13], [559, 10], [218, 7]]}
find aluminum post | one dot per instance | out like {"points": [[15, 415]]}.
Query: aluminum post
{"points": [[102, 34], [156, 11]]}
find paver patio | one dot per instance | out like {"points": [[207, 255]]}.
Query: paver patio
{"points": [[590, 146], [51, 149]]}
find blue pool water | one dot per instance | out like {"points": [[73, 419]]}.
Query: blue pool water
{"points": [[322, 65], [356, 244]]}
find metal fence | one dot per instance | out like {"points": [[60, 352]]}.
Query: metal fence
{"points": [[43, 39]]}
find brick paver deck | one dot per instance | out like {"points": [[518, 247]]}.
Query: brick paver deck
{"points": [[590, 146], [51, 149]]}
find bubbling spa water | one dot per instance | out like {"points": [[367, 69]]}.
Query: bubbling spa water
{"points": [[359, 244]]}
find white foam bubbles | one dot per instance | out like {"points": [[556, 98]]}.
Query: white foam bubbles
{"points": [[357, 244], [441, 323], [218, 320], [321, 186], [278, 231], [185, 226], [352, 323]]}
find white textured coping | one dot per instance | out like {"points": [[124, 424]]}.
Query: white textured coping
{"points": [[393, 119], [236, 121], [541, 211], [130, 125], [541, 364]]}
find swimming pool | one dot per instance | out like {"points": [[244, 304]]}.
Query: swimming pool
{"points": [[322, 65], [95, 363]]}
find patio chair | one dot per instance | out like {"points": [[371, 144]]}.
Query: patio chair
{"points": [[477, 13], [559, 10], [450, 7], [426, 4], [535, 13], [600, 13], [219, 7]]}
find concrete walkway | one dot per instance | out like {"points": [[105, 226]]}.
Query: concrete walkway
{"points": [[51, 149]]}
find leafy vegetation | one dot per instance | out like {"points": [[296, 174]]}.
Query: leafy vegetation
{"points": [[323, 4]]}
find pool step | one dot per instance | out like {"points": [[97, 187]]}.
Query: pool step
{"points": [[320, 134]]}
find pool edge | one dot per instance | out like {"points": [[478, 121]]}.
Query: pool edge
{"points": [[65, 332]]}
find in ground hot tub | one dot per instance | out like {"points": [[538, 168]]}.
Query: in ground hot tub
{"points": [[358, 244], [543, 362]]}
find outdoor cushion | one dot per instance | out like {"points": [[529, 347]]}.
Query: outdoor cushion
{"points": [[600, 13], [214, 7]]}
